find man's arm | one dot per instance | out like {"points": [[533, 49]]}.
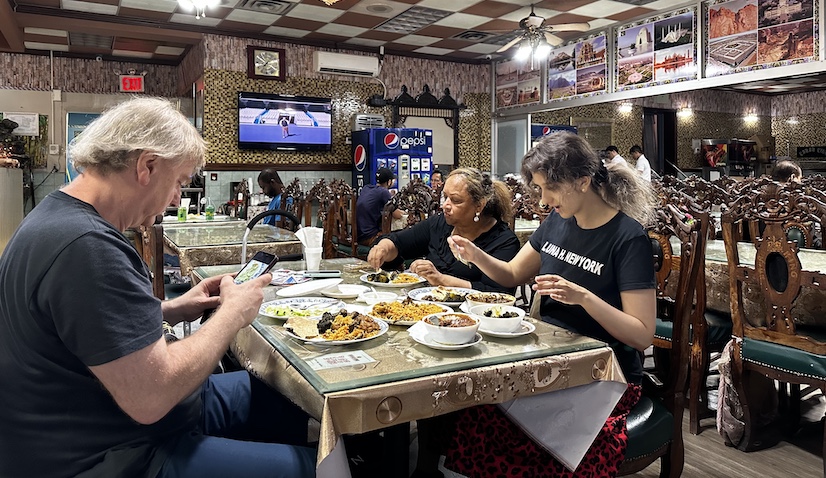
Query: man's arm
{"points": [[148, 383]]}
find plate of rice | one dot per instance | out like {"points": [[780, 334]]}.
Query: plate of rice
{"points": [[336, 328], [405, 312]]}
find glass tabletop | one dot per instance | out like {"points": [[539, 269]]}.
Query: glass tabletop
{"points": [[224, 233], [396, 355]]}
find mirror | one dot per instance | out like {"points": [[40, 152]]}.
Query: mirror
{"points": [[599, 132]]}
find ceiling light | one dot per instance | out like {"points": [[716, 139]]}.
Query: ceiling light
{"points": [[542, 50], [199, 6], [625, 107], [523, 52]]}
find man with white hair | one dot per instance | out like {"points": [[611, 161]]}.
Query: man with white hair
{"points": [[92, 388]]}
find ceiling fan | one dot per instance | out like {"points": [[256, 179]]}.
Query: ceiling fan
{"points": [[533, 31]]}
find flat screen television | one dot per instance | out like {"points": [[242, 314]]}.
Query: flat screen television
{"points": [[284, 123]]}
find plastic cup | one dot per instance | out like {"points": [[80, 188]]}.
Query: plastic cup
{"points": [[312, 258]]}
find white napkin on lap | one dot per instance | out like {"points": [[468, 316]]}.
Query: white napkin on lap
{"points": [[311, 236], [566, 422]]}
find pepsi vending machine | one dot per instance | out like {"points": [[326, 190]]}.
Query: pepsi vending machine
{"points": [[408, 152], [538, 131]]}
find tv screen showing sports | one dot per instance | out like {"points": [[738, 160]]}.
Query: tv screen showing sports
{"points": [[288, 123]]}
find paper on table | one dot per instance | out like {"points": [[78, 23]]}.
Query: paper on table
{"points": [[311, 236], [566, 422]]}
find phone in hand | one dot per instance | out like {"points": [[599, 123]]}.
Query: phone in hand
{"points": [[260, 264], [322, 274]]}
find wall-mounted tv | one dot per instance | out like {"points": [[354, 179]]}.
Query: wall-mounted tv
{"points": [[284, 123]]}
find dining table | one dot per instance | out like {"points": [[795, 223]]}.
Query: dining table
{"points": [[203, 243], [387, 382]]}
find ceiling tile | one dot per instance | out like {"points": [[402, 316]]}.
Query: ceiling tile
{"points": [[285, 32], [417, 40], [451, 44], [439, 31], [320, 14], [134, 44], [325, 37], [482, 48], [45, 46], [132, 54], [632, 13], [168, 50], [365, 42], [46, 31], [602, 8], [190, 19], [89, 7], [246, 16], [377, 35], [524, 12], [429, 50], [489, 8], [33, 38], [167, 6], [359, 20], [569, 18], [229, 25], [341, 30], [298, 23], [565, 5], [147, 14], [451, 6], [462, 20], [392, 8]]}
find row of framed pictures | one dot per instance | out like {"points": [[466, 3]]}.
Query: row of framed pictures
{"points": [[739, 35]]}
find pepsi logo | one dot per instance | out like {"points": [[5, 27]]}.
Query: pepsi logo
{"points": [[546, 130], [360, 157], [391, 140]]}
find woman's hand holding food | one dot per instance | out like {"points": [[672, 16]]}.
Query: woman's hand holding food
{"points": [[464, 249], [381, 253], [426, 269], [561, 290]]}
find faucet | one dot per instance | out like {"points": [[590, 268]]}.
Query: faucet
{"points": [[252, 222]]}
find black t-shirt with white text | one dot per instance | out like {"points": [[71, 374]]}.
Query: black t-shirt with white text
{"points": [[606, 260]]}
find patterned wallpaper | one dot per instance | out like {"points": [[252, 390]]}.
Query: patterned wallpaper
{"points": [[73, 75], [717, 114], [230, 53]]}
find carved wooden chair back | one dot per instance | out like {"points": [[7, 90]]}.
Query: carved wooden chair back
{"points": [[292, 200], [669, 398], [417, 199], [340, 228], [316, 203], [769, 294]]}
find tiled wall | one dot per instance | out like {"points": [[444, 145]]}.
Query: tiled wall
{"points": [[717, 114]]}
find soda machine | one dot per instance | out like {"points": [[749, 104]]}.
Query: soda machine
{"points": [[408, 152]]}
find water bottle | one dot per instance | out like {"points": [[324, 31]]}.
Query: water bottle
{"points": [[209, 212]]}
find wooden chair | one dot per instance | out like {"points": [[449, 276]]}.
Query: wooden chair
{"points": [[655, 423], [764, 295], [708, 335], [417, 199], [340, 232], [292, 200], [315, 204], [152, 252]]}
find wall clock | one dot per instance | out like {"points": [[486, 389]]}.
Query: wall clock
{"points": [[265, 63]]}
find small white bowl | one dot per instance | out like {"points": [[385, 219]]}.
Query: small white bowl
{"points": [[491, 320], [489, 298], [373, 298], [449, 335]]}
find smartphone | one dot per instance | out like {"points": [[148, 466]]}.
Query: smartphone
{"points": [[260, 264], [322, 274]]}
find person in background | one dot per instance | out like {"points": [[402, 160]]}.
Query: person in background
{"points": [[285, 126], [8, 162], [475, 207], [787, 171], [370, 204], [614, 156], [437, 180], [597, 215], [643, 167], [81, 335], [270, 183]]}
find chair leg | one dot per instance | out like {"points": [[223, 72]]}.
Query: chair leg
{"points": [[696, 389]]}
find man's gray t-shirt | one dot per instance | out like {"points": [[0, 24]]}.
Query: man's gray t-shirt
{"points": [[75, 294]]}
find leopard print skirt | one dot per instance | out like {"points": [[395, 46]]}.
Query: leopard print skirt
{"points": [[485, 443]]}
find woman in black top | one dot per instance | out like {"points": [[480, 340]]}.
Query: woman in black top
{"points": [[476, 208]]}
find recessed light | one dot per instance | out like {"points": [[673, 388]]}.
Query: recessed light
{"points": [[379, 8]]}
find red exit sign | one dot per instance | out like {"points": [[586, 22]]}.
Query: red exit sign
{"points": [[131, 83]]}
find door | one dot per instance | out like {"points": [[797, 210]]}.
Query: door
{"points": [[511, 137], [659, 137]]}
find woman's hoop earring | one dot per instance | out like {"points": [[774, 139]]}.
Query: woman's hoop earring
{"points": [[476, 217]]}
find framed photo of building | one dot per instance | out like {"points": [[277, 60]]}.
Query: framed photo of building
{"points": [[658, 50], [744, 35], [578, 68]]}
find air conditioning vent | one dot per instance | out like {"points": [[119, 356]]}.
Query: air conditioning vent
{"points": [[343, 64], [361, 122], [275, 7]]}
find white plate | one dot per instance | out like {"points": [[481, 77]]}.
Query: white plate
{"points": [[301, 307], [524, 329], [405, 322], [390, 284], [417, 294], [419, 334], [335, 292], [382, 330], [307, 287]]}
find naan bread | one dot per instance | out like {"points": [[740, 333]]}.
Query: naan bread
{"points": [[303, 327]]}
